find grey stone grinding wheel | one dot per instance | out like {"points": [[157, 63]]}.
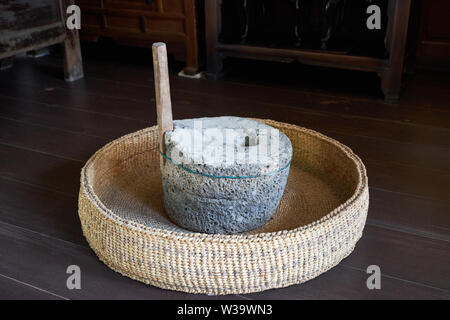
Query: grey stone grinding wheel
{"points": [[224, 198]]}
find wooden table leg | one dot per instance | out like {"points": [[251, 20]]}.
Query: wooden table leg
{"points": [[191, 40], [214, 65], [396, 41], [73, 65]]}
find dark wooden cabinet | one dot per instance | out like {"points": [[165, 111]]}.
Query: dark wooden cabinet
{"points": [[433, 47], [142, 22], [388, 64], [31, 25]]}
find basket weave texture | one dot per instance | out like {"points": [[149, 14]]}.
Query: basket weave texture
{"points": [[317, 224]]}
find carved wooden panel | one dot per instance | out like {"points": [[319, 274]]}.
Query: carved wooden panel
{"points": [[142, 22]]}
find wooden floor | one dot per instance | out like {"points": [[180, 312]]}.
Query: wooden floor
{"points": [[49, 128]]}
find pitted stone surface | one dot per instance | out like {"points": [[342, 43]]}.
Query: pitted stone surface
{"points": [[222, 205]]}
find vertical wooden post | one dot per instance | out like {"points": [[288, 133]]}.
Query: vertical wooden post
{"points": [[213, 24], [191, 39], [73, 64], [162, 92], [391, 79]]}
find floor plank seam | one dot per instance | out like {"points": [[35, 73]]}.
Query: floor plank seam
{"points": [[138, 121], [45, 235], [34, 287], [41, 152], [49, 61], [36, 186], [56, 128], [383, 274], [410, 231], [440, 200], [75, 89], [56, 105], [307, 111], [55, 61]]}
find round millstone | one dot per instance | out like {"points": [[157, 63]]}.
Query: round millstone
{"points": [[241, 168]]}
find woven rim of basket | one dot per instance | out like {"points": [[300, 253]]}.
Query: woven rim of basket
{"points": [[87, 188]]}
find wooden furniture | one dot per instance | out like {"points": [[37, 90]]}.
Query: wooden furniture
{"points": [[27, 25], [142, 22], [389, 68], [433, 45]]}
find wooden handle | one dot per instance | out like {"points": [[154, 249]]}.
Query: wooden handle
{"points": [[162, 91]]}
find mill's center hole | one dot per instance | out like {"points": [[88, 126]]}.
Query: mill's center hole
{"points": [[250, 141]]}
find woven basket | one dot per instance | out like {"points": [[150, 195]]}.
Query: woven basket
{"points": [[318, 222]]}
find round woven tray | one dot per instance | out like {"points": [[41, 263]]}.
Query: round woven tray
{"points": [[318, 222]]}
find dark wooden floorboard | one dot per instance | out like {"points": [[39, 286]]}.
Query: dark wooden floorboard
{"points": [[49, 128], [80, 119], [345, 283], [45, 212], [416, 153], [29, 143], [67, 119], [403, 256], [415, 215], [63, 143], [42, 261], [68, 144], [40, 210], [411, 109], [55, 215], [294, 80], [40, 169], [199, 93], [12, 289]]}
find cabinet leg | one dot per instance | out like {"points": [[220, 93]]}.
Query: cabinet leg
{"points": [[391, 78], [214, 59], [190, 70], [191, 42], [391, 85], [214, 68], [391, 98], [191, 67]]}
